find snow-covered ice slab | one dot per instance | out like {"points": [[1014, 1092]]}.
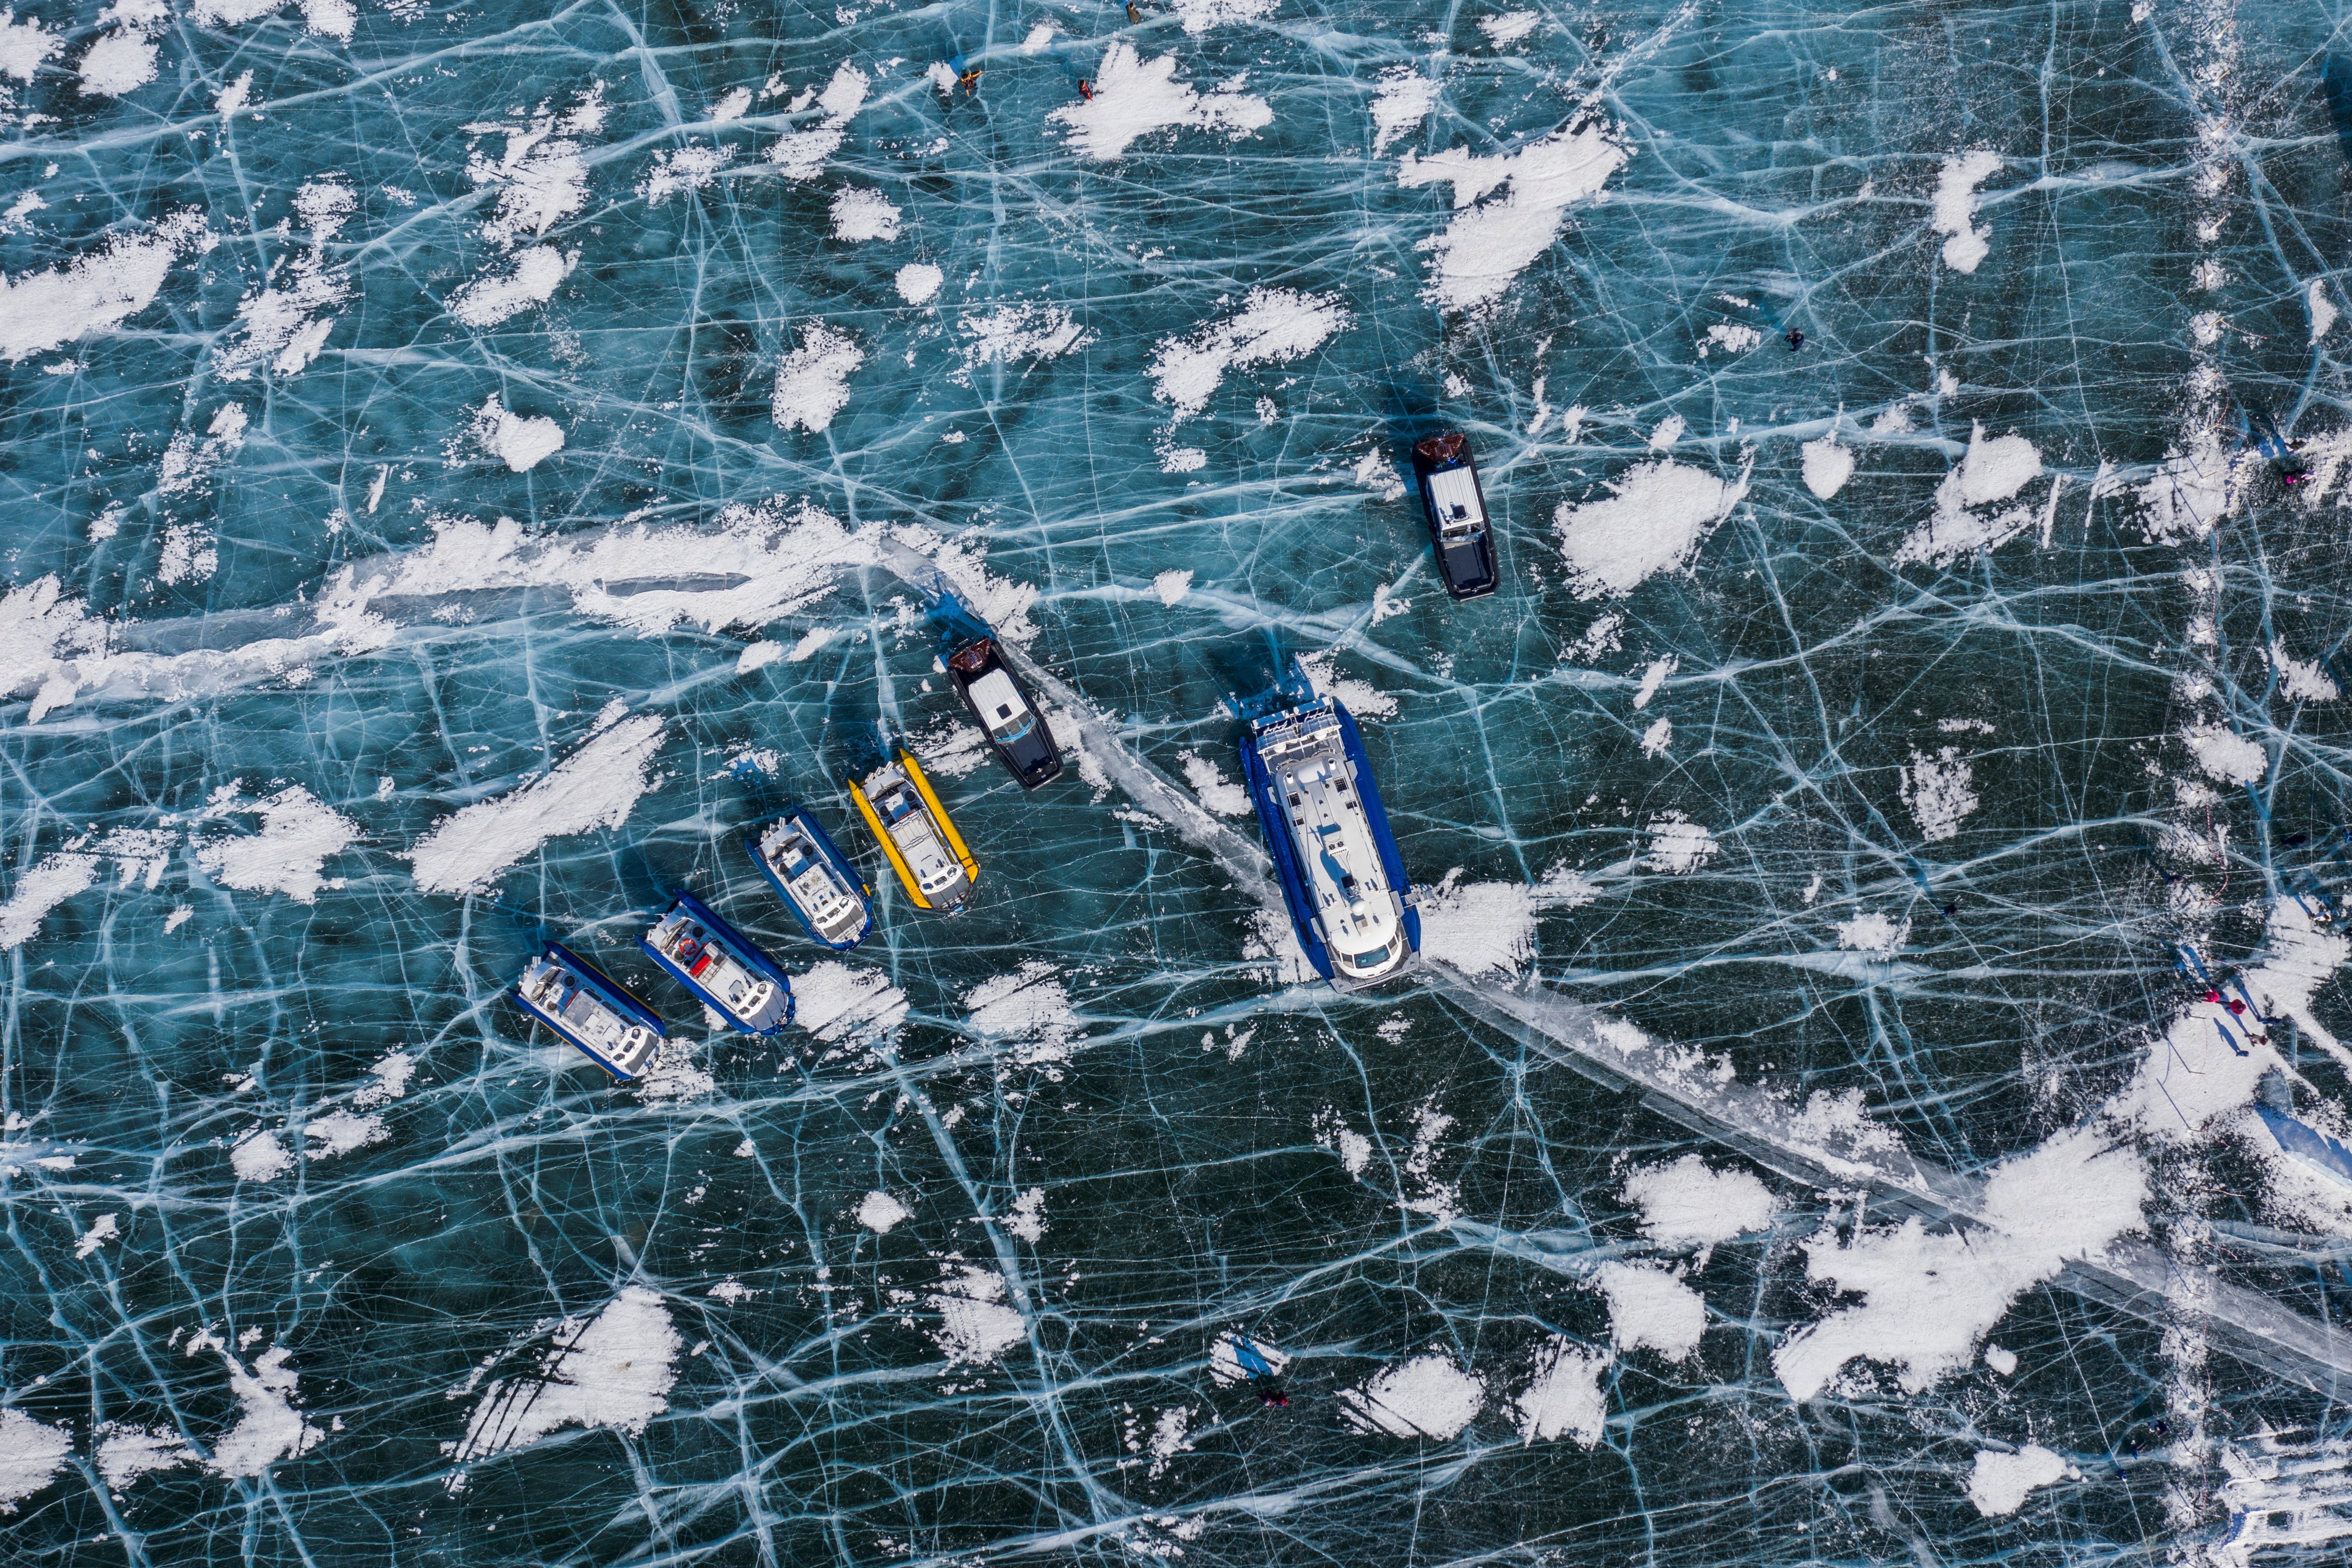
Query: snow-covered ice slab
{"points": [[1876, 1089]]}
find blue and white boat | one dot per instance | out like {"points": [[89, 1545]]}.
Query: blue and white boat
{"points": [[825, 893], [591, 1011], [1350, 899], [720, 966]]}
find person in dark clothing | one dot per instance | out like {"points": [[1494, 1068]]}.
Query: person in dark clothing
{"points": [[1796, 340]]}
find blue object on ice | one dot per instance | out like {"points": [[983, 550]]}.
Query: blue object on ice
{"points": [[1318, 804], [2307, 1143], [724, 968], [1252, 1361]]}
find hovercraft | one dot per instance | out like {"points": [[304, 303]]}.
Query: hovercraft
{"points": [[1456, 509], [591, 1011], [720, 966], [1351, 902], [913, 828], [998, 698], [818, 884]]}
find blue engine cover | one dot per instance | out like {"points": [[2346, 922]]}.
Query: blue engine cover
{"points": [[768, 968]]}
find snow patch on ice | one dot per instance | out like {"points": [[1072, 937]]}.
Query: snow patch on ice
{"points": [[1490, 927], [31, 1454], [1937, 791], [976, 1326], [106, 1227], [879, 1212], [1274, 325], [1491, 243], [859, 214], [269, 1427], [919, 282], [596, 786], [1027, 1220], [801, 154], [1955, 208], [1687, 1204], [1564, 1398], [678, 170], [495, 297], [1929, 1298], [1659, 514], [1427, 1396], [615, 1370], [518, 440], [1677, 845], [98, 291], [1219, 794], [1034, 332], [259, 1156], [1999, 1483], [1133, 97], [1029, 1008], [1828, 466], [126, 1453], [1172, 587], [25, 45], [1405, 99], [1648, 1306], [1871, 932], [843, 1005], [2224, 756], [812, 383]]}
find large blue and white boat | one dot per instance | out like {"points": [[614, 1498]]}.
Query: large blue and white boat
{"points": [[821, 888], [1351, 902], [720, 966], [591, 1011]]}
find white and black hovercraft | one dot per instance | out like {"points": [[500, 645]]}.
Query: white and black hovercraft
{"points": [[720, 966], [1351, 902], [591, 1011], [1001, 701], [821, 888], [1447, 476]]}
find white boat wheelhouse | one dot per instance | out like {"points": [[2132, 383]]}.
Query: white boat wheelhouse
{"points": [[1461, 513]]}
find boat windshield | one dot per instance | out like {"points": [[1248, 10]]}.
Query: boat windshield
{"points": [[1001, 706]]}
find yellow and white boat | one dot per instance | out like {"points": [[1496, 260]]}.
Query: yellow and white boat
{"points": [[914, 831]]}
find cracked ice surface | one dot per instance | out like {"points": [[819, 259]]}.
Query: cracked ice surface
{"points": [[466, 465]]}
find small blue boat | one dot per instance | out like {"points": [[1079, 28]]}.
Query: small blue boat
{"points": [[720, 966], [825, 893], [1351, 902], [591, 1011]]}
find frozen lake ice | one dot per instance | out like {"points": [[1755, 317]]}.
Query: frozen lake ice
{"points": [[1872, 1091]]}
